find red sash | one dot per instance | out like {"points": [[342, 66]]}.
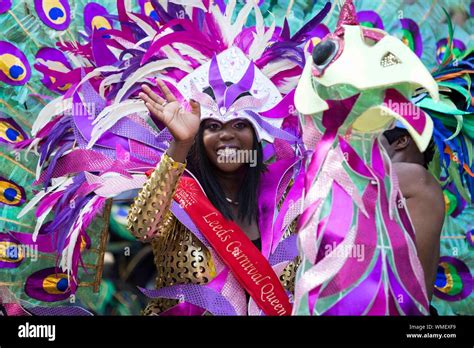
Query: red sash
{"points": [[246, 262]]}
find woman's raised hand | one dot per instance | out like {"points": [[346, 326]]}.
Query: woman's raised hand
{"points": [[182, 124]]}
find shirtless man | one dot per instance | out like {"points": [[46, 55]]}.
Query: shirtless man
{"points": [[423, 194]]}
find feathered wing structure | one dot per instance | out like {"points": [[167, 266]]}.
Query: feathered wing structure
{"points": [[453, 121], [33, 72], [453, 118], [95, 142]]}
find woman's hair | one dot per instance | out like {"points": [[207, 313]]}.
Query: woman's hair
{"points": [[202, 168]]}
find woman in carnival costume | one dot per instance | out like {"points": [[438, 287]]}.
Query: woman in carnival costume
{"points": [[223, 230], [222, 200]]}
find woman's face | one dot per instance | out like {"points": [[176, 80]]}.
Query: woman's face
{"points": [[229, 146]]}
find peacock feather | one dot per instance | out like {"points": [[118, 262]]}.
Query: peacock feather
{"points": [[33, 72]]}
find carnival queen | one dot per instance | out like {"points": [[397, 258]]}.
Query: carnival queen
{"points": [[216, 204]]}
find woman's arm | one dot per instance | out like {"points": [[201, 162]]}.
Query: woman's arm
{"points": [[150, 214]]}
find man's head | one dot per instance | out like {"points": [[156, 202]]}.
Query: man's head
{"points": [[401, 147]]}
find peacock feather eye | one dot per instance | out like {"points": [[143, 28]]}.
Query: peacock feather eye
{"points": [[370, 19], [11, 132], [441, 47], [55, 14], [10, 193], [48, 285], [95, 18], [50, 61], [148, 10], [11, 252], [14, 67], [453, 280], [85, 242], [412, 36]]}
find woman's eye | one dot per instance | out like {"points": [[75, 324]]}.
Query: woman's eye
{"points": [[213, 126], [240, 125]]}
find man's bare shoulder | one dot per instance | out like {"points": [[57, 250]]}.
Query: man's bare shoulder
{"points": [[419, 182], [407, 168], [411, 177]]}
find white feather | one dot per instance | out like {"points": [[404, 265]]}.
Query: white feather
{"points": [[150, 69], [78, 60], [97, 72], [261, 38], [112, 114], [229, 10], [31, 204], [260, 43], [39, 166], [288, 84], [189, 11], [147, 28], [125, 43], [138, 45], [53, 65], [55, 107], [68, 253], [259, 25], [61, 186], [240, 21], [33, 147], [171, 54], [112, 186], [39, 223], [271, 69], [61, 183], [60, 105], [115, 51], [230, 31], [187, 50], [109, 80], [115, 108]]}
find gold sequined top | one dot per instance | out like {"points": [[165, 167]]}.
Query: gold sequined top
{"points": [[179, 256]]}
